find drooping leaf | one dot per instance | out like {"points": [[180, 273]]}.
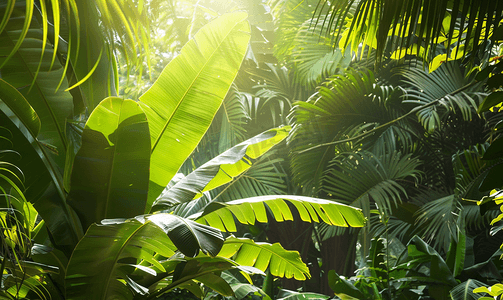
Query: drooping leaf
{"points": [[109, 253], [247, 211], [281, 262], [183, 101], [404, 23], [221, 169], [110, 171], [188, 235]]}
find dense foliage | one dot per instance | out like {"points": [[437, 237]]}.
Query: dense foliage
{"points": [[289, 149]]}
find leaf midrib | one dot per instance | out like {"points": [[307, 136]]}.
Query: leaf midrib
{"points": [[264, 248], [166, 124], [116, 258]]}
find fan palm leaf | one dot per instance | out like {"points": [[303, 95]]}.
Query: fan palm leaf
{"points": [[345, 106], [362, 176], [440, 84]]}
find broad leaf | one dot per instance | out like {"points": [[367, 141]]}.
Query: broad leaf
{"points": [[188, 235], [183, 101], [464, 290], [109, 253], [110, 171], [342, 287], [247, 211], [221, 169], [281, 262], [241, 290]]}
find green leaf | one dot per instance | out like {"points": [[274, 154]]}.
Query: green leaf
{"points": [[465, 290], [221, 169], [183, 101], [216, 283], [96, 266], [188, 235], [343, 288], [46, 156], [281, 262], [493, 179], [103, 261], [490, 101], [291, 295], [495, 150], [241, 290], [494, 290], [419, 251], [247, 211], [110, 171], [52, 107], [20, 107]]}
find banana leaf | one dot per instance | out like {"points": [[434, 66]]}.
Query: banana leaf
{"points": [[183, 101], [221, 169], [104, 260], [281, 262], [110, 171], [247, 211]]}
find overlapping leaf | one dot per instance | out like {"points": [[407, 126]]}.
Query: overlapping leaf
{"points": [[109, 253], [221, 169]]}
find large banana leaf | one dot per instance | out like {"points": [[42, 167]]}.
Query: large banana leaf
{"points": [[105, 258], [110, 171], [247, 211], [281, 262], [183, 101], [221, 169]]}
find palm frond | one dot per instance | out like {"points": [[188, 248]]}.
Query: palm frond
{"points": [[313, 57], [288, 16], [234, 118], [362, 176], [439, 85], [379, 23]]}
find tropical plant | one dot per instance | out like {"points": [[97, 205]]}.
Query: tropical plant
{"points": [[121, 168], [413, 27]]}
